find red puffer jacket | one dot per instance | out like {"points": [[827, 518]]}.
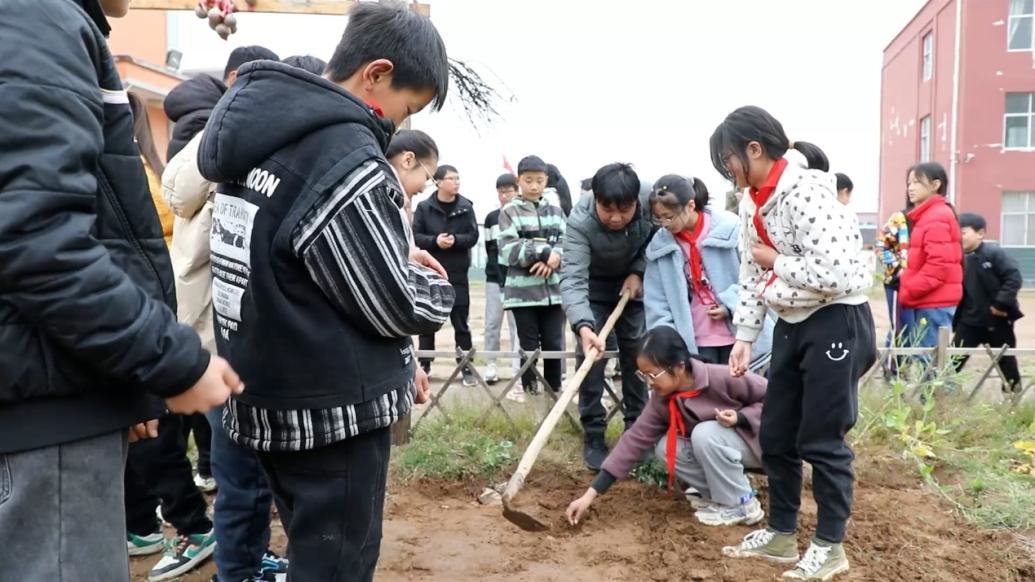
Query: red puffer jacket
{"points": [[934, 273]]}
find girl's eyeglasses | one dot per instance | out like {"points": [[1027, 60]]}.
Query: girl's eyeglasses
{"points": [[427, 172], [649, 379], [664, 221]]}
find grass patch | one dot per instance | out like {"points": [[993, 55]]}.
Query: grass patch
{"points": [[464, 447], [964, 451]]}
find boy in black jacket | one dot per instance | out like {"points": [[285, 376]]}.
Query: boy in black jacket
{"points": [[89, 343], [313, 289], [445, 226], [989, 308]]}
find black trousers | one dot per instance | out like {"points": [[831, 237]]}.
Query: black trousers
{"points": [[996, 336], [331, 502], [198, 424], [626, 338], [541, 328], [810, 405], [158, 471], [458, 317]]}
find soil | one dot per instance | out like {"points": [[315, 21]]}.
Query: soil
{"points": [[899, 531]]}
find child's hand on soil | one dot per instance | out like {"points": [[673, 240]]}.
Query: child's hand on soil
{"points": [[764, 256], [727, 418], [580, 506]]}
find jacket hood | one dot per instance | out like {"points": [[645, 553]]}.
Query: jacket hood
{"points": [[270, 106], [200, 93], [722, 233]]}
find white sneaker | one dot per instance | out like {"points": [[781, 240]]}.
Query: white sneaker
{"points": [[517, 394], [491, 375], [697, 501], [749, 513], [206, 484]]}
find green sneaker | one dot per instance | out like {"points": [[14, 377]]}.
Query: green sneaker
{"points": [[821, 562], [183, 554], [765, 543], [145, 545]]}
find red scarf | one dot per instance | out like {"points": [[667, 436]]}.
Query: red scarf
{"points": [[697, 280], [676, 426], [760, 196]]}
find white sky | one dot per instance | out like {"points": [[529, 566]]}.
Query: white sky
{"points": [[645, 82]]}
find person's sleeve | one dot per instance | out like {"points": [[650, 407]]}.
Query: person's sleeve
{"points": [[641, 437], [1009, 274], [603, 481], [824, 265], [467, 239], [749, 317], [575, 280], [941, 258], [514, 250], [183, 186], [421, 237], [358, 254], [53, 271], [657, 311]]}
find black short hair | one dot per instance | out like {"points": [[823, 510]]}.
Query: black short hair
{"points": [[844, 182], [444, 169], [506, 180], [665, 348], [531, 164], [972, 220], [751, 123], [401, 35], [587, 184], [675, 191], [309, 63], [616, 184], [412, 140], [246, 54]]}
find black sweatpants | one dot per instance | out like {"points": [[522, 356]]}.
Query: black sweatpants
{"points": [[626, 338], [541, 328], [158, 471], [198, 424], [999, 334], [458, 318], [331, 502], [811, 404]]}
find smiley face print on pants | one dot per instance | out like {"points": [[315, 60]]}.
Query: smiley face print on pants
{"points": [[837, 352]]}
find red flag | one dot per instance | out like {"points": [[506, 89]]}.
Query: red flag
{"points": [[507, 166]]}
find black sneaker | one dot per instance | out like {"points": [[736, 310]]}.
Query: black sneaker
{"points": [[469, 378], [274, 564], [594, 451]]}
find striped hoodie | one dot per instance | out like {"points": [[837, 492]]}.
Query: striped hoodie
{"points": [[529, 232]]}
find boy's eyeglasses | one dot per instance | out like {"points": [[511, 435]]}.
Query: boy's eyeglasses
{"points": [[649, 379]]}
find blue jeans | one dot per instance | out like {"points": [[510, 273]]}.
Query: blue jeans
{"points": [[242, 509], [921, 325]]}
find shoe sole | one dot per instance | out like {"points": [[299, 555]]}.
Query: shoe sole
{"points": [[186, 567], [746, 520], [829, 575], [146, 550], [733, 552]]}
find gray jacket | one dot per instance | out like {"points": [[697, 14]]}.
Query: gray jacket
{"points": [[597, 260]]}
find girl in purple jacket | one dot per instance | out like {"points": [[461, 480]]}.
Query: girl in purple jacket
{"points": [[702, 422]]}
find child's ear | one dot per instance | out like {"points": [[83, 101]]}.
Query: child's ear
{"points": [[378, 70]]}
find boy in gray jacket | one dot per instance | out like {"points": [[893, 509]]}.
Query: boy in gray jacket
{"points": [[603, 257]]}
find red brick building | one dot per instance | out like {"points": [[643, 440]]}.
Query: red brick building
{"points": [[958, 87]]}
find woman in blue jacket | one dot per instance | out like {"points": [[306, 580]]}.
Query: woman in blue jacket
{"points": [[693, 270]]}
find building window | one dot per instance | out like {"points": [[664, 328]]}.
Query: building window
{"points": [[925, 139], [1018, 219], [1020, 31], [1019, 121], [929, 56]]}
